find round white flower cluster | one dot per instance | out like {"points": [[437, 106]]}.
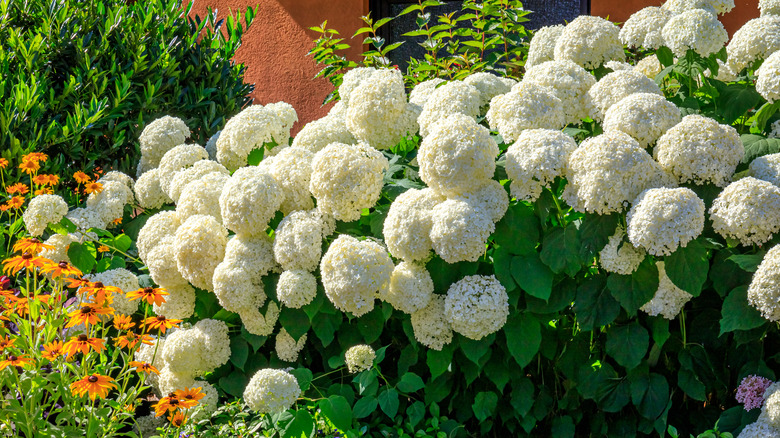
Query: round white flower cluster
{"points": [[351, 80], [148, 192], [490, 197], [460, 230], [759, 429], [291, 168], [763, 293], [177, 159], [542, 47], [198, 247], [192, 352], [755, 40], [747, 210], [179, 304], [769, 7], [346, 179], [251, 129], [618, 65], [238, 279], [649, 66], [298, 240], [615, 87], [697, 30], [766, 168], [109, 204], [249, 201], [456, 97], [535, 160], [619, 255], [321, 132], [608, 171], [643, 116], [287, 348], [661, 220], [407, 227], [354, 272], [643, 28], [157, 138], [768, 83], [411, 287], [156, 228], [359, 358], [668, 299], [770, 411], [199, 169], [271, 391], [476, 306], [569, 82], [124, 280], [85, 218], [700, 150], [589, 42], [202, 197], [296, 288], [488, 84], [712, 6], [528, 106], [258, 323], [422, 91], [430, 325], [42, 211]]}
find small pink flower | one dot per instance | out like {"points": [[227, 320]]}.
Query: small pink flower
{"points": [[751, 391]]}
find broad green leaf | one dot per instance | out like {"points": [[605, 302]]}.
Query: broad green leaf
{"points": [[522, 396], [627, 344], [485, 404], [689, 382], [234, 383], [523, 337], [295, 321], [595, 232], [665, 56], [388, 402], [563, 427], [239, 352], [415, 413], [594, 305], [256, 156], [561, 250], [655, 398], [365, 407], [635, 290], [758, 146], [518, 230], [410, 382], [502, 267], [439, 361], [748, 262], [687, 267], [738, 314], [81, 257], [304, 377], [764, 114], [562, 297], [302, 426], [336, 409], [475, 350], [325, 326], [533, 276], [741, 98], [371, 324]]}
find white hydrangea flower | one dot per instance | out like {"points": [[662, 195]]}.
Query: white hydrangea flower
{"points": [[85, 218], [156, 227], [199, 247], [322, 132], [747, 210], [198, 170], [354, 272], [198, 350], [488, 84], [346, 179], [589, 42], [450, 98], [216, 342], [755, 40], [766, 168], [160, 136], [125, 281], [211, 146], [696, 30], [110, 202], [169, 381], [118, 176], [144, 165], [725, 73], [253, 253], [430, 325], [491, 197], [161, 261], [624, 260], [528, 106], [296, 288], [287, 348], [411, 287], [298, 240], [422, 91], [700, 150], [649, 66], [179, 158], [669, 299], [460, 230], [60, 242], [183, 356], [377, 104], [291, 168], [615, 87], [769, 7], [457, 155], [359, 358], [476, 306], [712, 6], [387, 135], [609, 171], [238, 279], [644, 116], [569, 82], [535, 160], [351, 80], [663, 219], [259, 324], [407, 226], [42, 211], [770, 411], [250, 129], [271, 391], [148, 192], [763, 293], [618, 65], [542, 47], [250, 200], [768, 83], [643, 28], [759, 429], [202, 196], [179, 304]]}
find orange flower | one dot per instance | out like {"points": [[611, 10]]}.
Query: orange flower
{"points": [[100, 293], [144, 367], [117, 221], [103, 248], [161, 323], [96, 385], [170, 403], [87, 314], [53, 180], [17, 188], [44, 191], [5, 207], [190, 394], [83, 343], [23, 304], [16, 202], [5, 343], [35, 156], [131, 339], [26, 260], [29, 167], [177, 419], [3, 163], [123, 322], [53, 350], [61, 269], [41, 179], [149, 294], [77, 282], [15, 361], [81, 177], [93, 187], [33, 246]]}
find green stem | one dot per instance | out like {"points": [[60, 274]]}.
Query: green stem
{"points": [[682, 328]]}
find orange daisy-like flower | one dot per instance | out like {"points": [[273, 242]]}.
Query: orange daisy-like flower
{"points": [[170, 403], [123, 322], [177, 419], [5, 343], [87, 314], [160, 323], [82, 343], [33, 246], [35, 156], [61, 269], [19, 188], [44, 191], [16, 202], [143, 367], [100, 293], [81, 177], [53, 180], [74, 283], [53, 350], [93, 187], [5, 207], [14, 361], [29, 166], [3, 163], [22, 305], [190, 394], [41, 179], [96, 385], [130, 340], [117, 221], [103, 248], [28, 261], [149, 294]]}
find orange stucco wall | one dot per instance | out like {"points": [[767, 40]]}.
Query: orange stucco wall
{"points": [[620, 10], [274, 50]]}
